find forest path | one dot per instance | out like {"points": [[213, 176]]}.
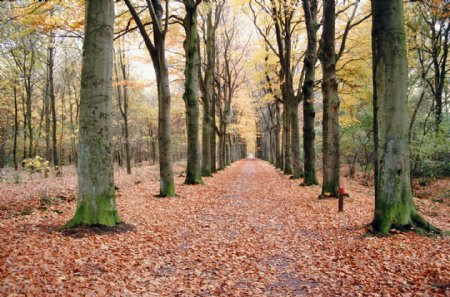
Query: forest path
{"points": [[249, 231]]}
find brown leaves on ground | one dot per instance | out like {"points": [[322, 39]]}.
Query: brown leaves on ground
{"points": [[250, 231]]}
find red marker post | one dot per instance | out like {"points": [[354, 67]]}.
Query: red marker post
{"points": [[341, 198]]}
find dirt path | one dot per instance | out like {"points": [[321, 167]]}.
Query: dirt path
{"points": [[250, 231]]}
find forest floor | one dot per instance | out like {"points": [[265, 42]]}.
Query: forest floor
{"points": [[249, 231]]}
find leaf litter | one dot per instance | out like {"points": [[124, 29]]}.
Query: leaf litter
{"points": [[249, 231]]}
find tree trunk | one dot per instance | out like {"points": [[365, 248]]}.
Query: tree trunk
{"points": [[309, 135], [24, 128], [158, 55], [287, 166], [72, 130], [51, 95], [297, 170], [126, 131], [394, 206], [330, 150], [213, 145], [96, 193], [47, 113], [191, 47], [16, 129], [279, 160], [227, 150], [221, 150], [207, 128], [122, 96], [167, 183], [29, 119]]}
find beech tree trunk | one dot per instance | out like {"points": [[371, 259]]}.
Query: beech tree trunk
{"points": [[190, 97], [287, 165], [309, 113], [96, 193], [394, 206], [157, 51], [278, 154], [330, 151], [51, 96], [207, 129], [213, 138], [16, 128], [297, 170], [122, 96]]}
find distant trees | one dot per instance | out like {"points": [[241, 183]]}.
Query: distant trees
{"points": [[121, 70], [282, 40], [229, 78]]}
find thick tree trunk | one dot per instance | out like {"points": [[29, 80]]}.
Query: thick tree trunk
{"points": [[191, 47], [157, 53], [394, 206], [208, 105], [309, 113], [96, 192], [330, 150], [167, 184]]}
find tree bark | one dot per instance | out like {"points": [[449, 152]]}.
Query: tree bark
{"points": [[287, 165], [279, 160], [209, 107], [96, 192], [122, 96], [51, 96], [157, 53], [330, 150], [394, 206], [309, 113], [16, 128], [190, 97], [297, 170]]}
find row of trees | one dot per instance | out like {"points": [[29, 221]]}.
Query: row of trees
{"points": [[37, 129], [427, 28], [281, 33], [214, 53], [100, 129], [388, 124]]}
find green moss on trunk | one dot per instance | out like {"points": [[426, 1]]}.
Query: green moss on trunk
{"points": [[98, 211], [167, 190]]}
